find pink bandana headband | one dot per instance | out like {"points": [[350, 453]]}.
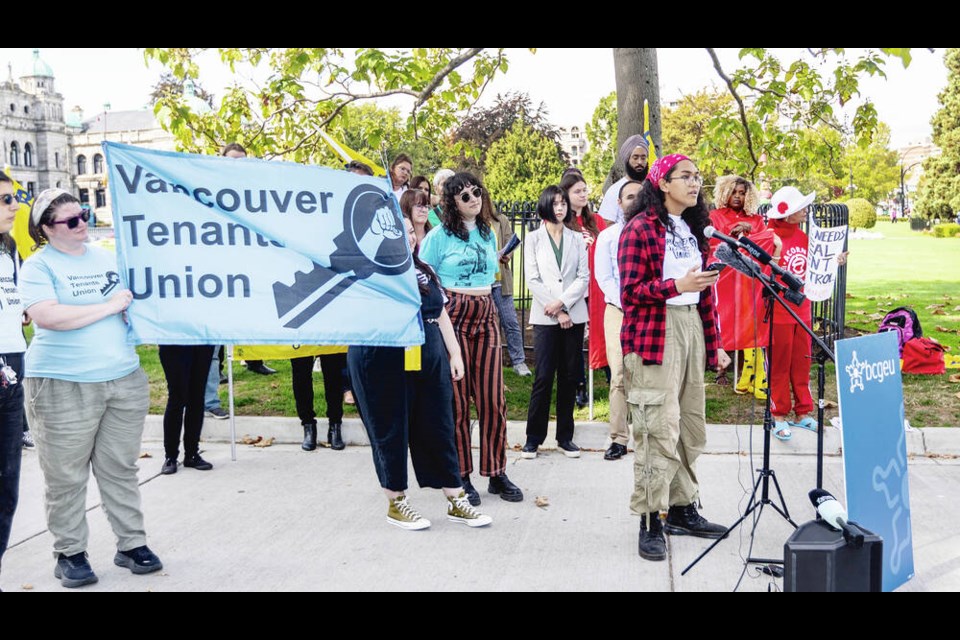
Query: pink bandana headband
{"points": [[662, 167]]}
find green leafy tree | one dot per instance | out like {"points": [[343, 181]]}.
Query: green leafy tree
{"points": [[298, 92], [481, 128], [521, 163], [601, 153], [370, 130], [684, 128], [863, 215], [938, 194]]}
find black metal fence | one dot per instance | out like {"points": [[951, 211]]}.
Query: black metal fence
{"points": [[828, 316]]}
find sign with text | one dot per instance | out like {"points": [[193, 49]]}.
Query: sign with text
{"points": [[238, 251], [825, 245], [874, 447]]}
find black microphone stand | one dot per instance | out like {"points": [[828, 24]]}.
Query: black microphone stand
{"points": [[773, 289]]}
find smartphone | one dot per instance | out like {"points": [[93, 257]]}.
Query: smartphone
{"points": [[716, 266]]}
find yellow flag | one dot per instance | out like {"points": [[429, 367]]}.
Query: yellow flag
{"points": [[349, 154], [651, 150], [283, 352], [21, 224]]}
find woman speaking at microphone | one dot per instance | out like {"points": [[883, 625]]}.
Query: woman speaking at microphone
{"points": [[669, 336]]}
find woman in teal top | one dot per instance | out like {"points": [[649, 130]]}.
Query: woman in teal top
{"points": [[463, 253], [86, 394]]}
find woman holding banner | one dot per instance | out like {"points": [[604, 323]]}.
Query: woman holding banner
{"points": [[86, 394], [463, 253], [413, 409]]}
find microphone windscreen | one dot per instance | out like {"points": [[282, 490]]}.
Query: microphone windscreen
{"points": [[709, 231], [728, 256], [829, 509]]}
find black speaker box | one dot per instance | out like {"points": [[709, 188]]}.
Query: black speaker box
{"points": [[817, 558]]}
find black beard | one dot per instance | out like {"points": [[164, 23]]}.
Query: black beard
{"points": [[633, 174]]}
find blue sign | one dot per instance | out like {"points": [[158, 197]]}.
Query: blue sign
{"points": [[240, 251], [875, 448]]}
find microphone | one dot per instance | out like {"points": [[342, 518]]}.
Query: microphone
{"points": [[835, 515], [759, 255], [735, 260]]}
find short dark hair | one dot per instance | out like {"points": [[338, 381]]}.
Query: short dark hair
{"points": [[545, 204], [624, 186], [233, 146], [355, 165]]}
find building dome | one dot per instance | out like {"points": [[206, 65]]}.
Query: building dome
{"points": [[38, 67]]}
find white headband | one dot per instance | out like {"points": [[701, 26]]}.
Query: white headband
{"points": [[42, 203]]}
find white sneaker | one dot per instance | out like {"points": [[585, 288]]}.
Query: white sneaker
{"points": [[459, 509], [523, 370], [402, 515]]}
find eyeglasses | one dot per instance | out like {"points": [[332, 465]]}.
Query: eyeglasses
{"points": [[689, 179], [8, 199], [74, 222], [476, 192]]}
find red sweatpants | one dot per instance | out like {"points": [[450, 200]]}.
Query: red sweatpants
{"points": [[790, 366]]}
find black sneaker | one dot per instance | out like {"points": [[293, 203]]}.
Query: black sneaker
{"points": [[652, 545], [169, 467], [28, 442], [529, 451], [473, 496], [615, 452], [216, 413], [139, 560], [501, 486], [196, 462], [685, 521], [74, 571], [261, 368], [582, 399], [569, 449]]}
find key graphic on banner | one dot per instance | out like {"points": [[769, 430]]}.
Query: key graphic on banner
{"points": [[372, 241]]}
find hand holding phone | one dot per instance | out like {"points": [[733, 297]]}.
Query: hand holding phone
{"points": [[716, 266]]}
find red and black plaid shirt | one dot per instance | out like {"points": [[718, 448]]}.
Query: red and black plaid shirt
{"points": [[644, 292]]}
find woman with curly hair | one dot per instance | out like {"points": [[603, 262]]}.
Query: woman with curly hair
{"points": [[669, 337], [463, 253], [739, 304]]}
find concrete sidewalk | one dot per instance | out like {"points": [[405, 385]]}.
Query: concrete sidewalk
{"points": [[280, 519]]}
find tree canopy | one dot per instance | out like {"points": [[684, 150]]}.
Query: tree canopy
{"points": [[521, 163], [938, 194]]}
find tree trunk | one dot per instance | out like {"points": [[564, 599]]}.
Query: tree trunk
{"points": [[637, 79]]}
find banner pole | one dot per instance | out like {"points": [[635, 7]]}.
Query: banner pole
{"points": [[590, 375], [233, 422]]}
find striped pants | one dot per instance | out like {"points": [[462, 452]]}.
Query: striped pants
{"points": [[475, 322]]}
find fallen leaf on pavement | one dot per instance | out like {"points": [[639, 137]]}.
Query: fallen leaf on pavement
{"points": [[246, 439], [145, 455], [517, 447], [541, 501], [27, 587], [264, 443]]}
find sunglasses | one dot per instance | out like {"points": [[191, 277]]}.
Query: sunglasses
{"points": [[8, 199], [74, 222], [476, 192]]}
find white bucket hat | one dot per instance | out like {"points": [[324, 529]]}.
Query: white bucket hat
{"points": [[787, 201]]}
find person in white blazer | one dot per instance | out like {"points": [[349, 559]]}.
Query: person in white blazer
{"points": [[558, 276]]}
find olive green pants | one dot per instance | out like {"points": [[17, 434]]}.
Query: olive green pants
{"points": [[666, 405]]}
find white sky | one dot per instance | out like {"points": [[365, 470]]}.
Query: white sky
{"points": [[569, 81]]}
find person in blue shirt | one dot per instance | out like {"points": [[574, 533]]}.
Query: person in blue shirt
{"points": [[463, 253], [86, 394]]}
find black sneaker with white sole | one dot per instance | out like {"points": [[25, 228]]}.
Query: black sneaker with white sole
{"points": [[569, 449]]}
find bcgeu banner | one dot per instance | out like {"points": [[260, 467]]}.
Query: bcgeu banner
{"points": [[826, 243], [239, 251], [874, 447]]}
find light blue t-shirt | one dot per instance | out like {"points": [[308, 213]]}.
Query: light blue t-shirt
{"points": [[98, 352], [461, 265]]}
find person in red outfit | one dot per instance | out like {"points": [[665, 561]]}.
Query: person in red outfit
{"points": [[739, 298], [790, 351]]}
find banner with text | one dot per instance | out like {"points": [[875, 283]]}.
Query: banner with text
{"points": [[825, 245], [239, 251], [874, 447]]}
